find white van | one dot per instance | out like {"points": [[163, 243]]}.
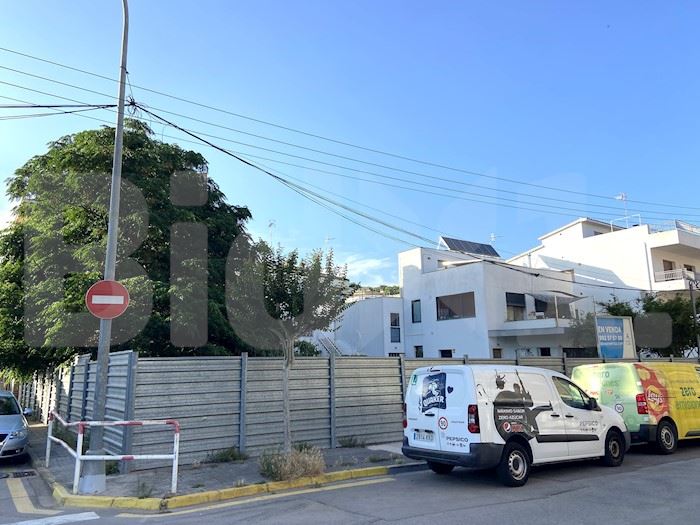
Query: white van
{"points": [[507, 417]]}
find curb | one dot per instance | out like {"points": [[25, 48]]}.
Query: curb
{"points": [[66, 499]]}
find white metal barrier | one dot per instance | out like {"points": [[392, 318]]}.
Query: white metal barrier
{"points": [[79, 457]]}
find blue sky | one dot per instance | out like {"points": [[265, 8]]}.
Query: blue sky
{"points": [[596, 98]]}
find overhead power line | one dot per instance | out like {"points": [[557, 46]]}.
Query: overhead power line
{"points": [[321, 201], [341, 142], [516, 203]]}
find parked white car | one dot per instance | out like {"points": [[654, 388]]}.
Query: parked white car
{"points": [[506, 417]]}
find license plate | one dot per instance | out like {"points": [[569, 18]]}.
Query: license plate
{"points": [[422, 435]]}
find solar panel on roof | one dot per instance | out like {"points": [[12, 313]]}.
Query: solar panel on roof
{"points": [[475, 248]]}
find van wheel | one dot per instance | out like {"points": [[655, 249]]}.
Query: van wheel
{"points": [[514, 468], [666, 438], [614, 449], [440, 468]]}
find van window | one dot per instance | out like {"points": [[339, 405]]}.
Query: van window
{"points": [[571, 394]]}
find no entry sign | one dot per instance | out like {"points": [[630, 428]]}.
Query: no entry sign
{"points": [[107, 299]]}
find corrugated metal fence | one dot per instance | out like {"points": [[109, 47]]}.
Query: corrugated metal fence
{"points": [[236, 402]]}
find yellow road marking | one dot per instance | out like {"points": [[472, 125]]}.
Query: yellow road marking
{"points": [[22, 501], [266, 497]]}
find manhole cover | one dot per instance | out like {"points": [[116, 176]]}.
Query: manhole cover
{"points": [[4, 475], [23, 474]]}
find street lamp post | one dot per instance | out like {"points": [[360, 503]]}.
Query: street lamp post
{"points": [[93, 480], [694, 284]]}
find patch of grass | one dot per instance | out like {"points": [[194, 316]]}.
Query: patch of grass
{"points": [[111, 468], [302, 446], [279, 466], [226, 456], [351, 442], [377, 459]]}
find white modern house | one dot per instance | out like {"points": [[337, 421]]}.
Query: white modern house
{"points": [[459, 300], [463, 299], [605, 256]]}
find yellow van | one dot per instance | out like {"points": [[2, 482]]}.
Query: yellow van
{"points": [[660, 402]]}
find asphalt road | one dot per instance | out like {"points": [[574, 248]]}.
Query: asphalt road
{"points": [[646, 489]]}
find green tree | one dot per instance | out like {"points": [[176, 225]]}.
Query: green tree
{"points": [[275, 298], [683, 328], [68, 168]]}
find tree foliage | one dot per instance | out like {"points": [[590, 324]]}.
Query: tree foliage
{"points": [[69, 167], [277, 297], [653, 316]]}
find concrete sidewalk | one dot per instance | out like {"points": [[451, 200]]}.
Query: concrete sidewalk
{"points": [[206, 477]]}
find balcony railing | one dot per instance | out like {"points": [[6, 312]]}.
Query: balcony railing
{"points": [[674, 275]]}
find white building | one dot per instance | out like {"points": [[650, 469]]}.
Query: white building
{"points": [[607, 257], [463, 299], [454, 304]]}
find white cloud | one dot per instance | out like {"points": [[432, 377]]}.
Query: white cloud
{"points": [[369, 271]]}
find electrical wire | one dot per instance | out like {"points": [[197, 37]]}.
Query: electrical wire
{"points": [[340, 142], [319, 200]]}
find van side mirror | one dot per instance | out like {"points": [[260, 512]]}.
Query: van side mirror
{"points": [[28, 412], [593, 404]]}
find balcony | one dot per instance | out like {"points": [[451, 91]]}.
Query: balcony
{"points": [[674, 275], [534, 326]]}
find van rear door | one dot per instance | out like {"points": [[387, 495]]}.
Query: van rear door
{"points": [[425, 397], [437, 404], [453, 420]]}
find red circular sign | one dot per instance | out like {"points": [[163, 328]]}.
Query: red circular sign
{"points": [[107, 299]]}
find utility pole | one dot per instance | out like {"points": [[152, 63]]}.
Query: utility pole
{"points": [[93, 480], [694, 284]]}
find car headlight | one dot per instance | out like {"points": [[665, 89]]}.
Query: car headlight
{"points": [[18, 434]]}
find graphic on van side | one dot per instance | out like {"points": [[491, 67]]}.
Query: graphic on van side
{"points": [[655, 392], [513, 409], [433, 392]]}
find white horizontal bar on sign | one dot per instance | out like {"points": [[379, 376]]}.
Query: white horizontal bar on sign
{"points": [[107, 299]]}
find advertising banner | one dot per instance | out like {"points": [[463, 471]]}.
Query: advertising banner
{"points": [[615, 337]]}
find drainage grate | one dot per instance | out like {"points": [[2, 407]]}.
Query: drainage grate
{"points": [[23, 474]]}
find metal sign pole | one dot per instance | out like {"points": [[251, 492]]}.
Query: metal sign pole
{"points": [[694, 284], [93, 480]]}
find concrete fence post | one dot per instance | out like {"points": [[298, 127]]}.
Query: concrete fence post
{"points": [[242, 406], [465, 359], [565, 365], [71, 392], [86, 380], [331, 390], [129, 407], [58, 385], [402, 371]]}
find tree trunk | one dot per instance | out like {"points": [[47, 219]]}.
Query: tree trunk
{"points": [[285, 406]]}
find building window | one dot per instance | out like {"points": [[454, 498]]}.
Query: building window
{"points": [[669, 265], [418, 351], [446, 354], [689, 268], [498, 353], [395, 326], [457, 306], [515, 306], [415, 311], [545, 351]]}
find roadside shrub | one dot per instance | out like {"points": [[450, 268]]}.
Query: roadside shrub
{"points": [[351, 442], [226, 456], [279, 466], [303, 446]]}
